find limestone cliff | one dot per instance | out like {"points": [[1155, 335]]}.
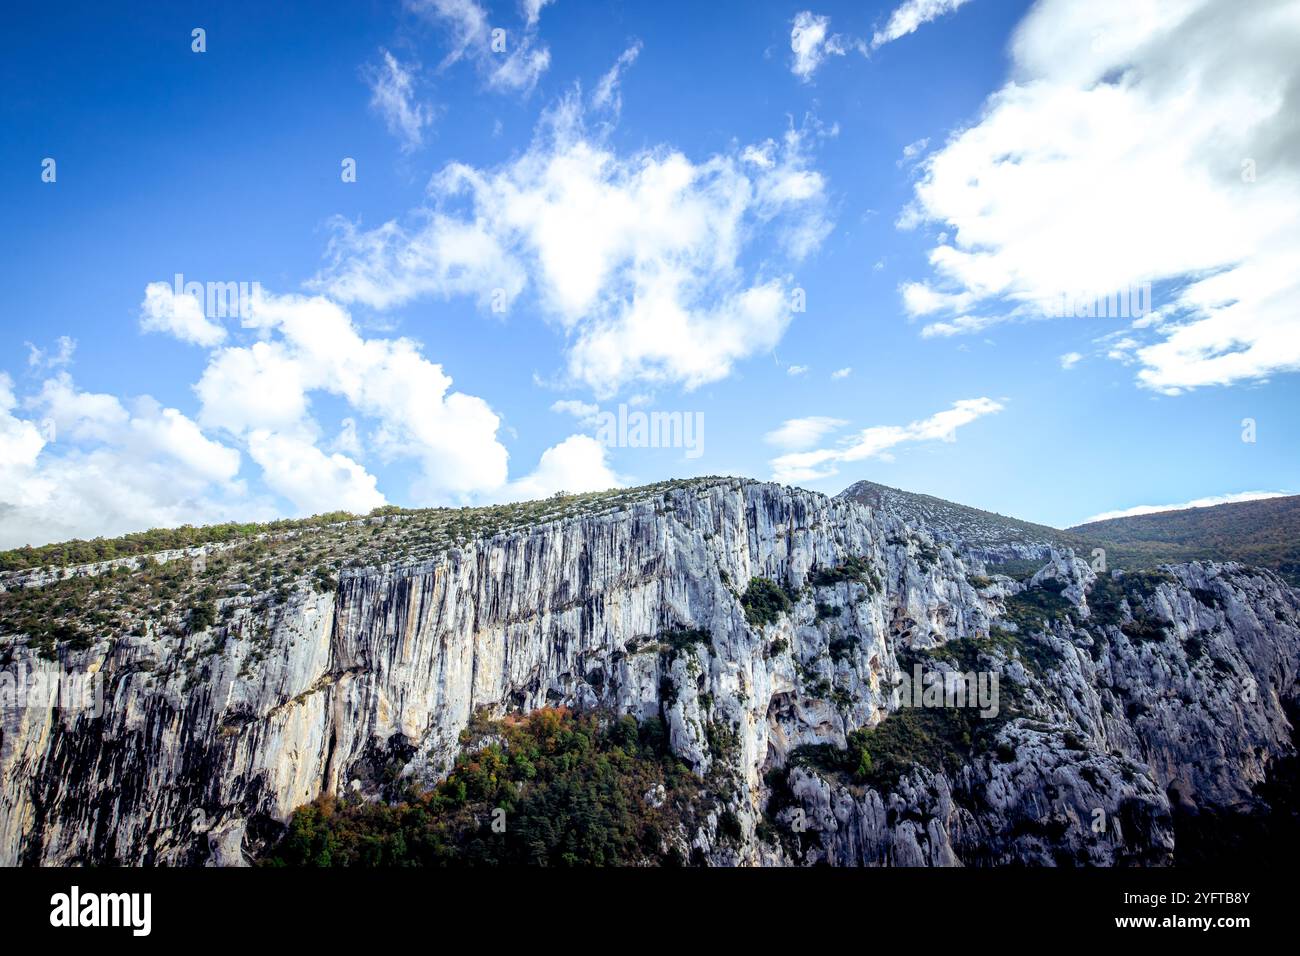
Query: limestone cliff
{"points": [[1118, 696]]}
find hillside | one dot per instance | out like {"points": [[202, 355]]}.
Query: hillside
{"points": [[1265, 533], [1016, 546], [980, 529]]}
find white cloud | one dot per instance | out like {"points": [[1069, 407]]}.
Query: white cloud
{"points": [[811, 41], [465, 20], [522, 67], [78, 415], [636, 257], [921, 299], [180, 315], [811, 44], [88, 466], [910, 16], [606, 95], [577, 464], [876, 442], [20, 441], [961, 325], [390, 265], [311, 345], [1194, 503], [392, 96], [257, 386], [798, 433], [1071, 359], [61, 357], [585, 412], [533, 10], [347, 440], [841, 373], [516, 68], [795, 370], [314, 481], [1151, 113], [911, 151]]}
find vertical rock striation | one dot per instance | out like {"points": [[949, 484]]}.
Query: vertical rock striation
{"points": [[1172, 691]]}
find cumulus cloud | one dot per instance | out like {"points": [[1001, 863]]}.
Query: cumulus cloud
{"points": [[1177, 119], [22, 440], [876, 441], [798, 433], [636, 257], [312, 345], [1194, 503], [841, 373], [86, 464], [82, 464], [577, 464], [179, 315], [392, 96], [314, 481]]}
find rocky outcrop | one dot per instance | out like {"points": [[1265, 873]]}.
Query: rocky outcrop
{"points": [[1122, 698]]}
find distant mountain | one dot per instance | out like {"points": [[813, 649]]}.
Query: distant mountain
{"points": [[1265, 533], [984, 531]]}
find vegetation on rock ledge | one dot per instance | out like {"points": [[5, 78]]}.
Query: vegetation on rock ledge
{"points": [[573, 790]]}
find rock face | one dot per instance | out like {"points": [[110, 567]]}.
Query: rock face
{"points": [[1128, 696]]}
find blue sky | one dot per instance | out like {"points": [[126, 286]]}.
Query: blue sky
{"points": [[620, 204]]}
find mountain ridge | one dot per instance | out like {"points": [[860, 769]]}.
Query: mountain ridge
{"points": [[1264, 532], [757, 634]]}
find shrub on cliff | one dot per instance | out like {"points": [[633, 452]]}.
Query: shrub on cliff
{"points": [[764, 602], [562, 790]]}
